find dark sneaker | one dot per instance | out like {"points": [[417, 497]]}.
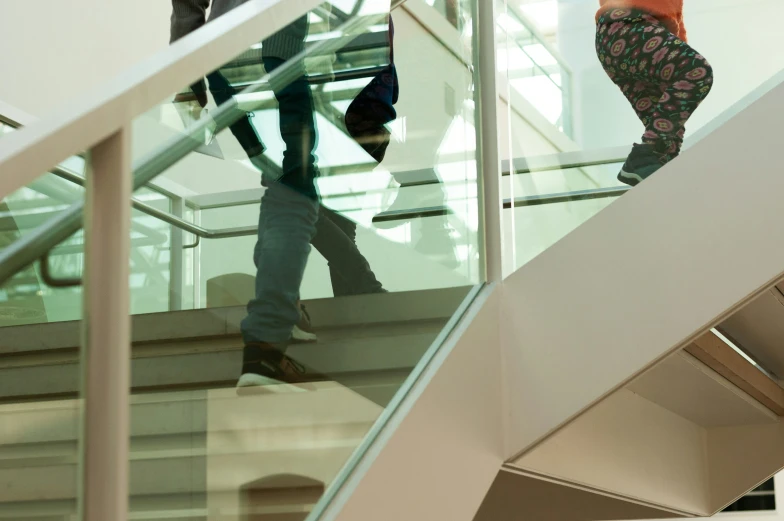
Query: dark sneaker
{"points": [[643, 162], [265, 366], [303, 331]]}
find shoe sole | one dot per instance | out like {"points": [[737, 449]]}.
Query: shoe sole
{"points": [[629, 178], [299, 336], [250, 384]]}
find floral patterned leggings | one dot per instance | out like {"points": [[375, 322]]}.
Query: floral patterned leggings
{"points": [[663, 78]]}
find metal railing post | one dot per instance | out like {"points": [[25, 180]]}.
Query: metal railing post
{"points": [[106, 331], [176, 258], [487, 149], [196, 272]]}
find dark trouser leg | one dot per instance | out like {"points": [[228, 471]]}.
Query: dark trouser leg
{"points": [[243, 128], [298, 130], [349, 271]]}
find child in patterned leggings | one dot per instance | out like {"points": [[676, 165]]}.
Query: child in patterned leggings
{"points": [[642, 47]]}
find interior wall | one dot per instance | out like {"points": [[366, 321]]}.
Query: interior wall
{"points": [[54, 50]]}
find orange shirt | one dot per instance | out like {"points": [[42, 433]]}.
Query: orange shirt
{"points": [[669, 12]]}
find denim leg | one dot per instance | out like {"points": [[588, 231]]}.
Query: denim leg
{"points": [[287, 222]]}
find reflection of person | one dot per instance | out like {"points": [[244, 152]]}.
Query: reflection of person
{"points": [[287, 223], [642, 47], [335, 235], [289, 208]]}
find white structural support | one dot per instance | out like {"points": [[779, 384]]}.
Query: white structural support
{"points": [[652, 242], [611, 301], [106, 354], [441, 448], [487, 149]]}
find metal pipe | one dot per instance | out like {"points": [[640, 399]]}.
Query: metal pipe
{"points": [[137, 205], [55, 282], [176, 267], [78, 248], [22, 252], [196, 264], [487, 150]]}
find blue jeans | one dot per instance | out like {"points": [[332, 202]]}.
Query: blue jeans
{"points": [[287, 219], [287, 222]]}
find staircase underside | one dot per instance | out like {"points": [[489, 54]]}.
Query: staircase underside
{"points": [[614, 382]]}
